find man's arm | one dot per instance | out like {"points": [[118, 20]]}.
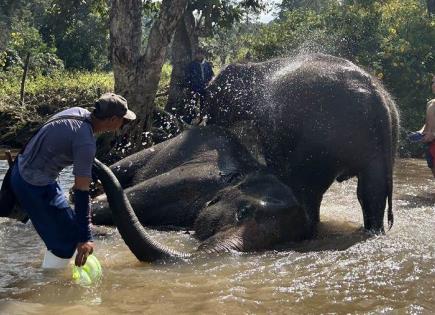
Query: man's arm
{"points": [[82, 183], [83, 148], [81, 196]]}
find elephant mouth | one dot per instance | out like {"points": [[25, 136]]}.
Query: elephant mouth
{"points": [[223, 242], [248, 237], [256, 236]]}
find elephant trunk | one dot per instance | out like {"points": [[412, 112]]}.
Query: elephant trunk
{"points": [[132, 232]]}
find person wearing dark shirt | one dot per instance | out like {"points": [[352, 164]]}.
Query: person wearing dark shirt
{"points": [[68, 138], [199, 73]]}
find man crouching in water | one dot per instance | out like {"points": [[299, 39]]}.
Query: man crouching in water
{"points": [[67, 138]]}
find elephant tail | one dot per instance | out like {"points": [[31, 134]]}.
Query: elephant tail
{"points": [[388, 153], [390, 214], [389, 143], [393, 131]]}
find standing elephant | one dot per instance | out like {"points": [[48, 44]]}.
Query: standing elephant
{"points": [[319, 118]]}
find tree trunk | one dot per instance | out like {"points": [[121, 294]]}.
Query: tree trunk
{"points": [[137, 75], [126, 45], [183, 46], [23, 79], [152, 62]]}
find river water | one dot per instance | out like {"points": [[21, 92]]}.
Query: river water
{"points": [[342, 271]]}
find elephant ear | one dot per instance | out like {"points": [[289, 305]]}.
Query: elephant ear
{"points": [[132, 232], [173, 198]]}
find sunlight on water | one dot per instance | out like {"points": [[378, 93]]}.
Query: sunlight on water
{"points": [[342, 271]]}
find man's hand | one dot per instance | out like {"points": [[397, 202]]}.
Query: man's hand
{"points": [[83, 251]]}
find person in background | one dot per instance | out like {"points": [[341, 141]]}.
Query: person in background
{"points": [[67, 138], [198, 74], [427, 133]]}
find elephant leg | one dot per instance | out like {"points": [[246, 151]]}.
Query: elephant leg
{"points": [[372, 194], [310, 193], [312, 203]]}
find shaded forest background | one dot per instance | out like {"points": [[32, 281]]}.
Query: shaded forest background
{"points": [[71, 46]]}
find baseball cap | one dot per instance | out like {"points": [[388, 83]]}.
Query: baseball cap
{"points": [[111, 104]]}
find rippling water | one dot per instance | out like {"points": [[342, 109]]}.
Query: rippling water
{"points": [[342, 271]]}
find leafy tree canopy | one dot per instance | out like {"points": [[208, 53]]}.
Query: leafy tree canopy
{"points": [[393, 39], [79, 30]]}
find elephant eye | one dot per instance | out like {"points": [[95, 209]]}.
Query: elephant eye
{"points": [[213, 201], [244, 212], [231, 177]]}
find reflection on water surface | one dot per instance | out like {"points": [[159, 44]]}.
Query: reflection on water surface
{"points": [[340, 272]]}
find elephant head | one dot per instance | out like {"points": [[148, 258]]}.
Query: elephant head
{"points": [[254, 214]]}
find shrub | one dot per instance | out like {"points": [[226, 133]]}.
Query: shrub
{"points": [[45, 64]]}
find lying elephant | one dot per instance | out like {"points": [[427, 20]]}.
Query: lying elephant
{"points": [[206, 180], [319, 118]]}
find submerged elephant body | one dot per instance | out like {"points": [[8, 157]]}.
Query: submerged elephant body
{"points": [[205, 180], [318, 118]]}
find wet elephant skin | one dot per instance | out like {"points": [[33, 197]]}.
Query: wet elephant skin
{"points": [[319, 118], [205, 180]]}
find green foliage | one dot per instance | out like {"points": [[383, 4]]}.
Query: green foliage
{"points": [[225, 45], [151, 8], [44, 96], [220, 24], [10, 59], [80, 32], [45, 64], [61, 86], [407, 58], [47, 94], [346, 31], [3, 58], [289, 5], [393, 39], [165, 79], [216, 14], [27, 39]]}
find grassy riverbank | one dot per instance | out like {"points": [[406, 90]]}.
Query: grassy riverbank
{"points": [[46, 95]]}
